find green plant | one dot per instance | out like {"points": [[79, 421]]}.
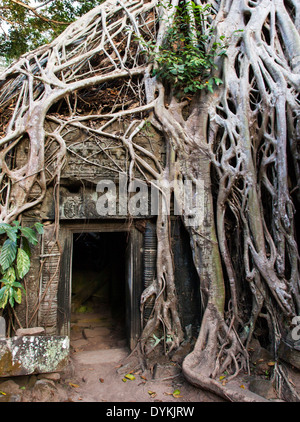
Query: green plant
{"points": [[186, 58], [15, 259]]}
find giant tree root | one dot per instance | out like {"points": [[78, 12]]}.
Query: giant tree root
{"points": [[203, 365], [232, 391]]}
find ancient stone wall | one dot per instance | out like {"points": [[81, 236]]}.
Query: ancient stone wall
{"points": [[89, 160]]}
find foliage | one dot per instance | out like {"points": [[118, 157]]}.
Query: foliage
{"points": [[186, 59], [15, 259], [28, 24]]}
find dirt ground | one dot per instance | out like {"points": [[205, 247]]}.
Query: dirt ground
{"points": [[96, 379], [96, 372]]}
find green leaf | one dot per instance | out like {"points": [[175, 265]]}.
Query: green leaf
{"points": [[39, 228], [130, 377], [10, 231], [18, 296], [209, 86], [10, 275], [155, 340], [25, 246], [176, 393], [8, 254], [23, 263], [4, 298], [11, 297], [30, 235], [12, 235], [17, 284], [4, 227], [218, 81], [2, 291]]}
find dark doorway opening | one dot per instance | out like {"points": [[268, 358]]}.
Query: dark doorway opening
{"points": [[98, 303]]}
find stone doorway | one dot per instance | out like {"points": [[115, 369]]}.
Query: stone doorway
{"points": [[86, 248], [98, 304]]}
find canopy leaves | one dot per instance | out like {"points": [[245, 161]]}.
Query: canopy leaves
{"points": [[28, 24]]}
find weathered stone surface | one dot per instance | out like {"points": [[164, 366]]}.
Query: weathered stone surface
{"points": [[34, 331], [96, 332], [181, 353], [92, 322], [32, 380], [290, 352], [10, 391], [161, 372], [261, 358], [263, 388], [97, 357], [33, 354], [44, 391], [53, 376], [2, 327], [79, 343], [68, 371], [9, 387]]}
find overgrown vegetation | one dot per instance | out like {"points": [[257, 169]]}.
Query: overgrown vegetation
{"points": [[27, 24], [15, 256], [187, 57]]}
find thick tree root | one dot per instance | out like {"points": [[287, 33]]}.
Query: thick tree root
{"points": [[204, 365], [232, 391]]}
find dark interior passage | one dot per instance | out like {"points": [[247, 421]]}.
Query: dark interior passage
{"points": [[187, 281], [98, 290]]}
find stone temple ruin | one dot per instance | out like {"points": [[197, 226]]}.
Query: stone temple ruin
{"points": [[88, 174], [101, 261], [91, 138]]}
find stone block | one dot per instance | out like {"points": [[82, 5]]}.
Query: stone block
{"points": [[261, 358], [263, 388], [34, 331], [179, 355], [53, 376], [10, 391], [96, 332], [33, 354], [290, 353]]}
